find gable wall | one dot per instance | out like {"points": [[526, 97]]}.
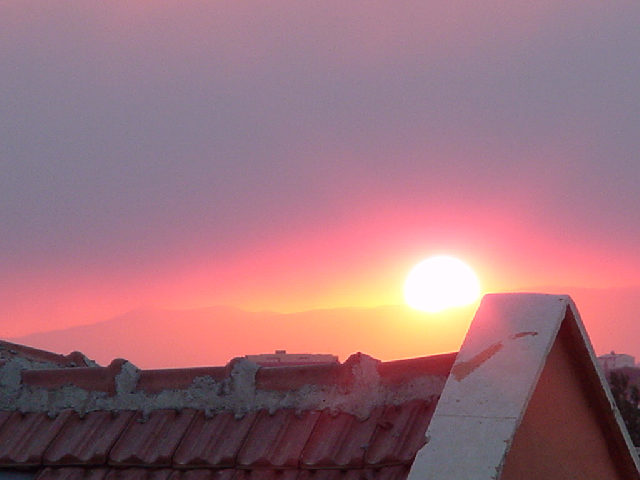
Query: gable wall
{"points": [[560, 436]]}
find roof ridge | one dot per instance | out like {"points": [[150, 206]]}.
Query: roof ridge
{"points": [[9, 350], [356, 386], [101, 379]]}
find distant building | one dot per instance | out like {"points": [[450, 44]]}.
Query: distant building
{"points": [[281, 358], [613, 361]]}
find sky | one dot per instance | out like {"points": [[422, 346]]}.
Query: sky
{"points": [[289, 155]]}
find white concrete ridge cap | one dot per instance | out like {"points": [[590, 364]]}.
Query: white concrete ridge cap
{"points": [[502, 355], [492, 381]]}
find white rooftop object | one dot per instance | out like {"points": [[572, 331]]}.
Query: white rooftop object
{"points": [[492, 381]]}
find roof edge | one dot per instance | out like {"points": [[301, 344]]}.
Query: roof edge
{"points": [[475, 420], [598, 377]]}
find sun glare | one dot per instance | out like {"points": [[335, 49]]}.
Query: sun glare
{"points": [[441, 282]]}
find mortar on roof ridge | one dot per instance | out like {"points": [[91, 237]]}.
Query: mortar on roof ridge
{"points": [[127, 379], [236, 393], [364, 369], [11, 373]]}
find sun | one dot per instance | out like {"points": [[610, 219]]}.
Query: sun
{"points": [[441, 282]]}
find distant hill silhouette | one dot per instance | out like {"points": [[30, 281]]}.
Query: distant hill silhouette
{"points": [[156, 338]]}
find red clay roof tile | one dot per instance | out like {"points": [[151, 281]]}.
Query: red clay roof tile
{"points": [[339, 440], [214, 441], [152, 440], [141, 474], [155, 381], [400, 433], [72, 473], [4, 416], [101, 379], [293, 377], [329, 474], [397, 372], [87, 439], [25, 437], [277, 440], [266, 474], [206, 474], [398, 472]]}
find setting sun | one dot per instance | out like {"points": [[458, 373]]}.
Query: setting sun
{"points": [[441, 282]]}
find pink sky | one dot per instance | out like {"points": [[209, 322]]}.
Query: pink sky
{"points": [[289, 156]]}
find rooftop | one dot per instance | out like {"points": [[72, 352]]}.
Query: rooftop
{"points": [[61, 420], [490, 411]]}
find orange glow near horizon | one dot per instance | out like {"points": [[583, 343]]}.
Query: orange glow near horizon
{"points": [[361, 264]]}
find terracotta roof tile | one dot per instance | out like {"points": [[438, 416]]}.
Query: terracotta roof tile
{"points": [[142, 474], [207, 474], [154, 381], [401, 371], [277, 440], [340, 440], [4, 416], [72, 473], [100, 379], [25, 437], [288, 378], [76, 473], [266, 474], [214, 441], [400, 433], [87, 439], [151, 441], [329, 474], [398, 472]]}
